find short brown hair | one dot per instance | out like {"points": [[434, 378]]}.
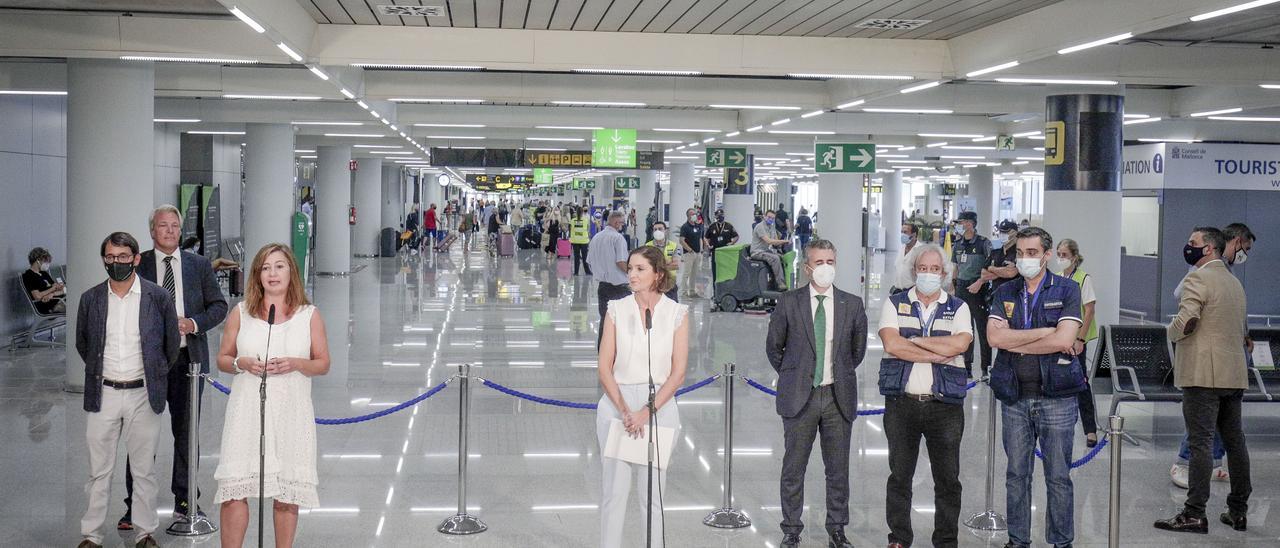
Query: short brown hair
{"points": [[658, 261], [254, 292]]}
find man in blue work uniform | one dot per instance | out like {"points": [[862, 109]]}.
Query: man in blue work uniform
{"points": [[1033, 321], [971, 253]]}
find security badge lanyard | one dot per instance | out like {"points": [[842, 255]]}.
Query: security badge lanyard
{"points": [[925, 327], [1028, 309]]}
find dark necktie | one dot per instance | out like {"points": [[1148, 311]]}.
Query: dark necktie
{"points": [[168, 280]]}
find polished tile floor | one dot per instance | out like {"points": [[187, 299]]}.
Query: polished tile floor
{"points": [[399, 326]]}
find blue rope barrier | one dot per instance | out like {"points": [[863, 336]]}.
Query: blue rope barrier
{"points": [[578, 405], [362, 418], [1087, 456]]}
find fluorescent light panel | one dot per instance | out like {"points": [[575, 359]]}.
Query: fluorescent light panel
{"points": [[176, 120], [801, 132], [750, 143], [564, 139], [992, 69], [467, 137], [822, 76], [851, 104], [909, 110], [597, 103], [1216, 112], [168, 59], [1170, 140], [377, 146], [585, 128], [416, 67], [30, 92], [1145, 121], [685, 130], [241, 15], [271, 97], [812, 114], [289, 51], [640, 72], [1096, 43], [754, 107], [319, 73], [328, 123], [1243, 118], [370, 135], [214, 132], [432, 100], [921, 87], [659, 141], [1233, 9], [1064, 81]]}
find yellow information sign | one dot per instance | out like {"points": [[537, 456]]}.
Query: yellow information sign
{"points": [[1055, 146]]}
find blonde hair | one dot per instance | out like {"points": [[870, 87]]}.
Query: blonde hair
{"points": [[254, 294], [658, 261], [165, 208]]}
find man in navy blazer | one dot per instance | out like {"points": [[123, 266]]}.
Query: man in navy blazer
{"points": [[127, 335], [200, 306], [817, 338]]}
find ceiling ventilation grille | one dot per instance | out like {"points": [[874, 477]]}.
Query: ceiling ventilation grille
{"points": [[893, 24], [420, 11]]}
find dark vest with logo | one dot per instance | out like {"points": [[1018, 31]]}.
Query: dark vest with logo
{"points": [[949, 382]]}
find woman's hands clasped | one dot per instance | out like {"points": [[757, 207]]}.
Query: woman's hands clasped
{"points": [[273, 366], [636, 422]]}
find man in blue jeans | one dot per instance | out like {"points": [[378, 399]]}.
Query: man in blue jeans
{"points": [[1033, 323]]}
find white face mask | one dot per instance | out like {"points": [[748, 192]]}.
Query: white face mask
{"points": [[1240, 258], [1029, 267], [824, 275], [928, 283], [659, 235], [1058, 265]]}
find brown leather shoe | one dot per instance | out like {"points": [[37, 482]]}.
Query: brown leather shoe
{"points": [[86, 543], [147, 542]]}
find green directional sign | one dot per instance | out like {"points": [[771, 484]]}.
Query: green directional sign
{"points": [[844, 157], [726, 157], [614, 148], [626, 183], [589, 184], [543, 176]]}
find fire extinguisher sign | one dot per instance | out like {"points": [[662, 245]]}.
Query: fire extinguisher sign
{"points": [[351, 215], [353, 165]]}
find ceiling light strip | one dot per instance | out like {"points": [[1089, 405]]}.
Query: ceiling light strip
{"points": [[991, 69], [1095, 43]]}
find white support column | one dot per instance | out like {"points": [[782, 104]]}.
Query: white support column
{"points": [[681, 191], [649, 185], [268, 173], [333, 197], [367, 196], [110, 172], [392, 196], [982, 189], [840, 221]]}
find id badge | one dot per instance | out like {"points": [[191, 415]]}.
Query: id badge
{"points": [[964, 258]]}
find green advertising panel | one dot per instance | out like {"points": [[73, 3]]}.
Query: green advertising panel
{"points": [[614, 148], [844, 157], [301, 240], [726, 157], [543, 176]]}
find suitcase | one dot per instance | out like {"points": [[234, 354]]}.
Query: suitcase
{"points": [[448, 240], [563, 248], [506, 244], [388, 242]]}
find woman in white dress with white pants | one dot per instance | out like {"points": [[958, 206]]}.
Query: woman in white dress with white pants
{"points": [[299, 350], [624, 376]]}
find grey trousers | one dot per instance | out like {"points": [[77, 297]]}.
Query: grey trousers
{"points": [[819, 416], [124, 413]]}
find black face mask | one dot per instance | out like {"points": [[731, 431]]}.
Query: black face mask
{"points": [[720, 218], [119, 271], [1192, 254]]}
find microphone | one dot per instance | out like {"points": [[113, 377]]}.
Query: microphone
{"points": [[271, 315], [648, 319], [262, 422]]}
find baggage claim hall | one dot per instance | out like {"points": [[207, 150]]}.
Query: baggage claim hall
{"points": [[632, 273]]}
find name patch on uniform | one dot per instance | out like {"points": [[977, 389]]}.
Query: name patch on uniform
{"points": [[1008, 309], [904, 308], [1052, 304]]}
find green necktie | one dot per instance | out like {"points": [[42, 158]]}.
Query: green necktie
{"points": [[820, 340]]}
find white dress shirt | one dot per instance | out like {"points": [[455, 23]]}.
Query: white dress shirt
{"points": [[122, 351], [177, 284], [829, 308], [921, 379]]}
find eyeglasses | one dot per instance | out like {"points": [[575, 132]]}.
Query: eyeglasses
{"points": [[122, 258]]}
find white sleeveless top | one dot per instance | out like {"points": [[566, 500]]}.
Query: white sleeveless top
{"points": [[631, 361]]}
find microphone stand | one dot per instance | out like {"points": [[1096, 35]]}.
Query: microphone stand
{"points": [[262, 426], [653, 425]]}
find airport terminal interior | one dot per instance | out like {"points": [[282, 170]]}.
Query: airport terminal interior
{"points": [[463, 376]]}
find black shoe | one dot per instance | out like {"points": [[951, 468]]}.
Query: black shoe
{"points": [[1237, 521], [125, 523], [1184, 523], [838, 540], [790, 540]]}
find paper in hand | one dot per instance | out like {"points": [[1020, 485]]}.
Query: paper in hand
{"points": [[623, 447]]}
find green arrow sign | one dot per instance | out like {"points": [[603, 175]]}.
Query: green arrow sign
{"points": [[543, 176], [590, 184], [726, 157], [614, 148], [844, 157], [626, 183]]}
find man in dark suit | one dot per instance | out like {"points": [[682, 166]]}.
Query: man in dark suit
{"points": [[817, 337], [119, 362], [189, 280]]}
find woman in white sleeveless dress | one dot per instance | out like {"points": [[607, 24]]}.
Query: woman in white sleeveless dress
{"points": [[625, 358], [299, 350]]}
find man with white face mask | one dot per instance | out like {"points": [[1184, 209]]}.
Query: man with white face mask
{"points": [[1033, 321], [923, 379], [817, 338]]}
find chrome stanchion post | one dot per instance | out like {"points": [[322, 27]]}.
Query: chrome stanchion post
{"points": [[193, 524], [726, 517], [463, 523], [1117, 435], [989, 519]]}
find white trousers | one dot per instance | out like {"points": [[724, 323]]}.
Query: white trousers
{"points": [[129, 413], [690, 271], [617, 475]]}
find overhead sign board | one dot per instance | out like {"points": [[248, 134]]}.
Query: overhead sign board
{"points": [[626, 183], [1005, 142], [497, 183], [614, 148], [844, 157], [726, 157], [543, 176], [649, 160]]}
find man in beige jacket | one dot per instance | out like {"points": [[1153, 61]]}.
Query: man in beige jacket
{"points": [[1209, 367]]}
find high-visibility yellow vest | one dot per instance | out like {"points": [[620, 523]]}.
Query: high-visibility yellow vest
{"points": [[579, 233], [668, 250]]}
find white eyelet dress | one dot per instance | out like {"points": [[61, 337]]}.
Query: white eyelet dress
{"points": [[291, 423]]}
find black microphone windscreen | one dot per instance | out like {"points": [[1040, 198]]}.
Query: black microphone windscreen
{"points": [[271, 315]]}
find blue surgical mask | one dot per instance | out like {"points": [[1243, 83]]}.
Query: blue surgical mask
{"points": [[904, 238], [928, 283], [768, 221]]}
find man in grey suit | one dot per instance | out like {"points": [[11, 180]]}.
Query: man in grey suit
{"points": [[817, 338], [125, 381], [200, 307]]}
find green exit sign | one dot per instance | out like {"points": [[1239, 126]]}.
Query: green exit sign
{"points": [[614, 148], [844, 157], [626, 183]]}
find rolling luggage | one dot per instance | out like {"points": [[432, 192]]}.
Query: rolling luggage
{"points": [[387, 247], [506, 244], [564, 249], [446, 241]]}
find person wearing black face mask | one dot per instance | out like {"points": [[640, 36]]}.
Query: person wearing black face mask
{"points": [[126, 382], [719, 234]]}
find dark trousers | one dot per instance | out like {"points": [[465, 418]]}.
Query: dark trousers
{"points": [[942, 425], [605, 293], [1205, 411], [978, 309], [1088, 409], [819, 416], [178, 397], [580, 258]]}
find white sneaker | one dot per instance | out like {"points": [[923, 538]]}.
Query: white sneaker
{"points": [[1179, 474], [1220, 474]]}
